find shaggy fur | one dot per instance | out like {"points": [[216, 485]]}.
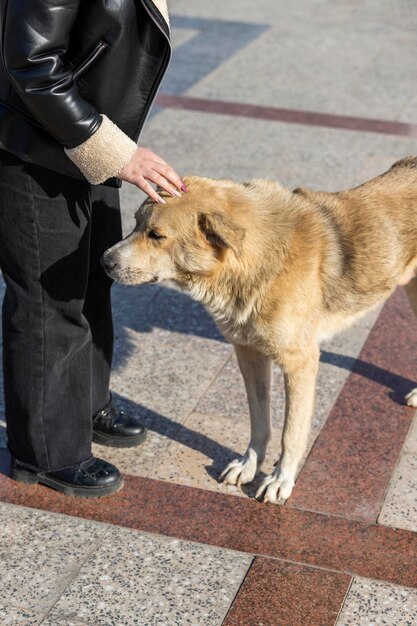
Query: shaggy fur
{"points": [[279, 270]]}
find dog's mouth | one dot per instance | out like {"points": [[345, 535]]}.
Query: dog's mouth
{"points": [[130, 276]]}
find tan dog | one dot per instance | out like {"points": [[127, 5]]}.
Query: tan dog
{"points": [[279, 271]]}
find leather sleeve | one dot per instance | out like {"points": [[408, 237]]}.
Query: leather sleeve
{"points": [[35, 37]]}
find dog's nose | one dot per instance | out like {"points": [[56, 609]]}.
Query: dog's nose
{"points": [[107, 262]]}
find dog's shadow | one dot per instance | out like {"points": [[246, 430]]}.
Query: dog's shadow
{"points": [[176, 312], [398, 385], [151, 307], [218, 453]]}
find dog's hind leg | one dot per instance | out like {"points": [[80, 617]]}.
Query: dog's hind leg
{"points": [[256, 371], [300, 371], [411, 291]]}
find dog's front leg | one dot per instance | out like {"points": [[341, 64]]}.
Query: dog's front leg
{"points": [[256, 371], [300, 372]]}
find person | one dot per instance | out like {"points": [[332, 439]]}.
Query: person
{"points": [[77, 80]]}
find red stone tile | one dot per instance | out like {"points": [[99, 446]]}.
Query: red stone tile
{"points": [[275, 592], [289, 116], [350, 466], [246, 525]]}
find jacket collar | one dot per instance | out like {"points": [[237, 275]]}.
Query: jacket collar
{"points": [[162, 7]]}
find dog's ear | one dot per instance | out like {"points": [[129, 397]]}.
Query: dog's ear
{"points": [[221, 231]]}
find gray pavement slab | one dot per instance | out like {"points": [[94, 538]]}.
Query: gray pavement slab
{"points": [[316, 55], [372, 603], [39, 555], [339, 69], [400, 503], [135, 579], [168, 352], [11, 616], [57, 570]]}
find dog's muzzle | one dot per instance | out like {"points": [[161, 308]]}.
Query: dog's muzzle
{"points": [[125, 275]]}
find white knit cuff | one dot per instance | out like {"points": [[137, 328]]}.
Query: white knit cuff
{"points": [[104, 154]]}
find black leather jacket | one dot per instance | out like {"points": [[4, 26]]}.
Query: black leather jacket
{"points": [[63, 62]]}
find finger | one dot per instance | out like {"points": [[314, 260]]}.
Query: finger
{"points": [[164, 184], [148, 189], [170, 174]]}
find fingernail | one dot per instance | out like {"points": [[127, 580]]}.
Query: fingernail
{"points": [[184, 188], [160, 200], [176, 193]]}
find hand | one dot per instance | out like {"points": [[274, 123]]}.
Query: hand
{"points": [[146, 165]]}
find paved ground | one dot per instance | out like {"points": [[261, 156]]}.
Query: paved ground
{"points": [[320, 93]]}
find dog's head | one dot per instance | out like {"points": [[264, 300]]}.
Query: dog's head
{"points": [[187, 237]]}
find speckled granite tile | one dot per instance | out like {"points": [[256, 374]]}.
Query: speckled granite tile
{"points": [[400, 504], [135, 579], [40, 554], [142, 460], [285, 594], [210, 443], [226, 395], [57, 621], [410, 444], [372, 603], [166, 356], [11, 616]]}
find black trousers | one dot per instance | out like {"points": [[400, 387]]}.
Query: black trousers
{"points": [[57, 324]]}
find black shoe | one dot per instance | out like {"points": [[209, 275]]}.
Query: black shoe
{"points": [[94, 478], [114, 428]]}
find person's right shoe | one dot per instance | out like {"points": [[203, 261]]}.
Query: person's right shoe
{"points": [[94, 478]]}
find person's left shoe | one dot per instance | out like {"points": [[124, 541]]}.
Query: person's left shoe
{"points": [[115, 428]]}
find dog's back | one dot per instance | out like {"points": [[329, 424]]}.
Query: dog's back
{"points": [[372, 242]]}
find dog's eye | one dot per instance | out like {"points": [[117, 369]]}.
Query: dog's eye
{"points": [[152, 234]]}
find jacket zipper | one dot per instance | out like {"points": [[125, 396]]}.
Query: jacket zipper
{"points": [[89, 60], [158, 79]]}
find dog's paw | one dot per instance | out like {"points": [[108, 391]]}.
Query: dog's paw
{"points": [[411, 398], [275, 488], [240, 471]]}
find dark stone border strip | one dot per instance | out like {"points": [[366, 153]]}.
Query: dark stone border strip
{"points": [[231, 522], [289, 116]]}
